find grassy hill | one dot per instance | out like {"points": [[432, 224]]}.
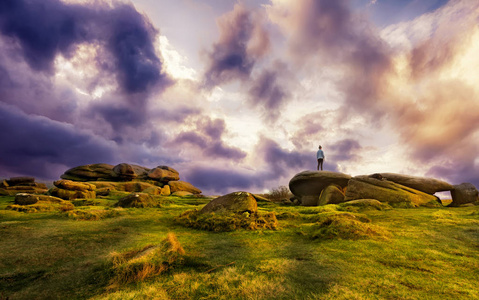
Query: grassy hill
{"points": [[423, 253]]}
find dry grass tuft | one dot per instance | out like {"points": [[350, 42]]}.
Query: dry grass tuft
{"points": [[151, 260], [227, 221]]}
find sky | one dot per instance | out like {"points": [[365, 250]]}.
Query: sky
{"points": [[238, 95]]}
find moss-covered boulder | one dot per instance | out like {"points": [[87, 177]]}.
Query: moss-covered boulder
{"points": [[365, 187], [423, 184], [238, 203], [128, 172], [27, 199], [138, 200], [332, 194]]}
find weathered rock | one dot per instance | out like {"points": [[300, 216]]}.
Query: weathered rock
{"points": [[176, 186], [152, 190], [332, 194], [308, 185], [423, 184], [74, 186], [92, 172], [464, 193], [238, 202], [127, 172], [112, 186], [136, 200], [25, 181], [28, 199], [165, 190], [71, 195], [164, 174], [364, 187]]}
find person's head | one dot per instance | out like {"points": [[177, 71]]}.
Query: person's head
{"points": [[320, 147]]}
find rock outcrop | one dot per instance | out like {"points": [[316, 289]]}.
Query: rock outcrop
{"points": [[423, 184], [161, 180], [464, 193], [365, 187], [15, 185], [238, 203], [29, 199], [308, 185], [70, 190]]}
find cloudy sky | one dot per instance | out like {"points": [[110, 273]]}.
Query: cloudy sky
{"points": [[237, 95]]}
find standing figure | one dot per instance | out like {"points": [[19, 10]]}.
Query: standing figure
{"points": [[320, 157]]}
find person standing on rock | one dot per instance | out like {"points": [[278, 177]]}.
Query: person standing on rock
{"points": [[320, 157]]}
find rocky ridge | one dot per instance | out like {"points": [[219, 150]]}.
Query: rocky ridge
{"points": [[312, 188]]}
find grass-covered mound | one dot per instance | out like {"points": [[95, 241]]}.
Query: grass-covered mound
{"points": [[151, 260], [30, 203], [138, 200], [343, 225], [227, 221], [93, 214], [364, 204]]}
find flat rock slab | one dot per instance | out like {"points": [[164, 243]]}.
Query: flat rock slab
{"points": [[365, 187], [423, 184]]}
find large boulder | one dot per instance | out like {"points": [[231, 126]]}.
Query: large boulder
{"points": [[138, 200], [464, 193], [365, 187], [423, 184], [22, 181], [127, 172], [92, 172], [238, 202], [176, 186], [308, 185], [332, 194], [74, 186], [164, 174], [71, 195]]}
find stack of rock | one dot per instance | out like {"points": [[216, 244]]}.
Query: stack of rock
{"points": [[15, 185], [313, 188], [69, 190], [161, 180]]}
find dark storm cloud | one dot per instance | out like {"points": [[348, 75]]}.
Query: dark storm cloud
{"points": [[222, 180], [44, 29], [457, 173], [36, 146], [345, 150], [242, 41], [207, 138], [270, 90]]}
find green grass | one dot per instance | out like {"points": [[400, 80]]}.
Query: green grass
{"points": [[314, 253]]}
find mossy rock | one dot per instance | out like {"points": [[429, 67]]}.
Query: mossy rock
{"points": [[40, 203], [238, 202], [28, 199], [227, 221], [332, 194], [138, 200]]}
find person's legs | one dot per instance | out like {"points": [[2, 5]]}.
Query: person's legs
{"points": [[320, 162]]}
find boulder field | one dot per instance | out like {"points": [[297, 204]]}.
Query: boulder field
{"points": [[312, 188]]}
